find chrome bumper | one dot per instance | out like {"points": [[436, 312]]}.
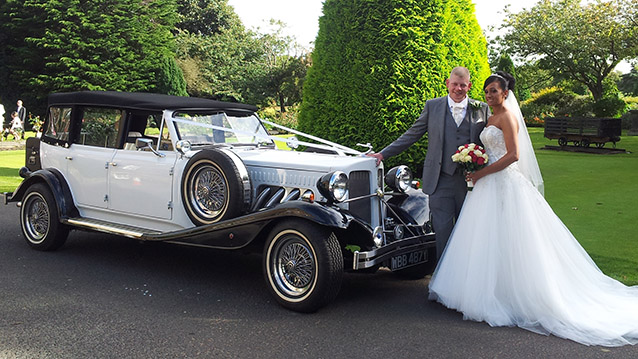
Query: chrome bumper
{"points": [[377, 256]]}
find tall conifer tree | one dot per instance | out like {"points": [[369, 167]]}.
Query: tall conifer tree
{"points": [[375, 63]]}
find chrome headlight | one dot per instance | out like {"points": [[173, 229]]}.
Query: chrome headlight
{"points": [[333, 186], [399, 178], [183, 146]]}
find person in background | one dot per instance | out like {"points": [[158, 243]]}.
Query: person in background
{"points": [[22, 111], [16, 128]]}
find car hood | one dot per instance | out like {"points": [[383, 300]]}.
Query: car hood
{"points": [[305, 161]]}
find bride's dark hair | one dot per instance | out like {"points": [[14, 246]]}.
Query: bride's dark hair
{"points": [[506, 80]]}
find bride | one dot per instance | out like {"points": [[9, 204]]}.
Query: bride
{"points": [[512, 262]]}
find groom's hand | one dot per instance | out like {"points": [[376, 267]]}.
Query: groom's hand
{"points": [[378, 156]]}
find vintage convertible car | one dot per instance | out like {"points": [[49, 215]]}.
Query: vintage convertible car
{"points": [[208, 173]]}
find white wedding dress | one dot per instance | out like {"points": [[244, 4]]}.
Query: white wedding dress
{"points": [[511, 261]]}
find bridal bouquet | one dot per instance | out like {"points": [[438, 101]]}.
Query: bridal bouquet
{"points": [[471, 157]]}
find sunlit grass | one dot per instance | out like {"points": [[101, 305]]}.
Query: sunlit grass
{"points": [[594, 195]]}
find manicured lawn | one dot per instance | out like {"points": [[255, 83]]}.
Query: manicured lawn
{"points": [[593, 194], [595, 197], [10, 163]]}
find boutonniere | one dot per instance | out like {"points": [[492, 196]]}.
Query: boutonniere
{"points": [[475, 106]]}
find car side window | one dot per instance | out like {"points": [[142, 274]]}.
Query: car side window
{"points": [[59, 123], [165, 136], [145, 125], [100, 127]]}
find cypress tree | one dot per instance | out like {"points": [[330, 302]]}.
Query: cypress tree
{"points": [[375, 63]]}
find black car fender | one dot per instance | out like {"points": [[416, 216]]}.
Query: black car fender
{"points": [[414, 205], [241, 231], [56, 183]]}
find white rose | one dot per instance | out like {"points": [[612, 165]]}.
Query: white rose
{"points": [[465, 151], [461, 148], [456, 157], [471, 147], [467, 159], [478, 153]]}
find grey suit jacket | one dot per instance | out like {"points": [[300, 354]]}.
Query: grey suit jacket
{"points": [[432, 120]]}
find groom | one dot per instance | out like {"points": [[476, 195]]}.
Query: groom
{"points": [[451, 121]]}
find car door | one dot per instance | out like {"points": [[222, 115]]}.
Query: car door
{"points": [[141, 179], [87, 168], [90, 154], [141, 182]]}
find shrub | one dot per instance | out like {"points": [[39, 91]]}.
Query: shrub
{"points": [[611, 106], [557, 101], [274, 114], [549, 102], [632, 105]]}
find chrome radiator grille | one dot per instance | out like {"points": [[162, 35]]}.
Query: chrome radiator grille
{"points": [[359, 185]]}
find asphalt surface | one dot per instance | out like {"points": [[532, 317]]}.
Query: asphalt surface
{"points": [[103, 296]]}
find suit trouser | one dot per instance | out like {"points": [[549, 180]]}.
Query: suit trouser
{"points": [[445, 206]]}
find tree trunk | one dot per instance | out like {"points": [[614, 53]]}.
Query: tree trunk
{"points": [[596, 90]]}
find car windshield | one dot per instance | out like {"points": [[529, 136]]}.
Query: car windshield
{"points": [[220, 127]]}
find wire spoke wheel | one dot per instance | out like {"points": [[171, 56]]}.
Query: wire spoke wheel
{"points": [[215, 187], [37, 218], [40, 220], [294, 265], [303, 265], [210, 191]]}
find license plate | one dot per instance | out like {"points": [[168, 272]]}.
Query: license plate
{"points": [[408, 259]]}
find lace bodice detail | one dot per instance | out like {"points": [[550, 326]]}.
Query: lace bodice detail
{"points": [[494, 141]]}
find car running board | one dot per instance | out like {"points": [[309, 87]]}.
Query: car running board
{"points": [[109, 227]]}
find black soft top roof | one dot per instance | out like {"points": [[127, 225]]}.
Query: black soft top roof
{"points": [[143, 101]]}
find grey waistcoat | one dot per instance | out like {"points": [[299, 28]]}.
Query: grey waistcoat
{"points": [[454, 137]]}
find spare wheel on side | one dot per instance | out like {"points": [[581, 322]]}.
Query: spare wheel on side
{"points": [[215, 186]]}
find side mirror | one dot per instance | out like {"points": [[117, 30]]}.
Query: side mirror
{"points": [[142, 143]]}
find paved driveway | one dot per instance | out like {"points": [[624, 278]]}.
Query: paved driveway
{"points": [[102, 296]]}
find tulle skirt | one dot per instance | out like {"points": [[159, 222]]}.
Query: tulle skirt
{"points": [[511, 261]]}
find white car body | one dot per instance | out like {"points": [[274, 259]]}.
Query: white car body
{"points": [[208, 173]]}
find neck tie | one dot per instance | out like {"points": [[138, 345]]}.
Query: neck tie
{"points": [[457, 113]]}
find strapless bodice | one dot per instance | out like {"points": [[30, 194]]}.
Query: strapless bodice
{"points": [[494, 141]]}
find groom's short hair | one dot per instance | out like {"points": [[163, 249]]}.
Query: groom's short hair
{"points": [[461, 72]]}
